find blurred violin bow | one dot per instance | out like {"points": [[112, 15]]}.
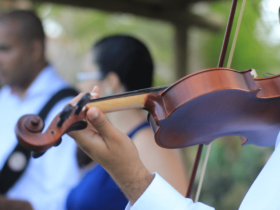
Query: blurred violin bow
{"points": [[279, 15]]}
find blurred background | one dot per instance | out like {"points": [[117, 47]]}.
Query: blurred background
{"points": [[183, 36]]}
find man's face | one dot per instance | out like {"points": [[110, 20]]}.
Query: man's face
{"points": [[14, 59]]}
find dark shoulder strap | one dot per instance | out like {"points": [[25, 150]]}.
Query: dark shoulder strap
{"points": [[18, 160], [62, 94]]}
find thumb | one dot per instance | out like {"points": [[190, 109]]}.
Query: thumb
{"points": [[99, 121]]}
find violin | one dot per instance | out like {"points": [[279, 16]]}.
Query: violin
{"points": [[196, 109]]}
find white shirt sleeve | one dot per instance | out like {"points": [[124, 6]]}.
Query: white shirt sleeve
{"points": [[265, 191], [162, 196]]}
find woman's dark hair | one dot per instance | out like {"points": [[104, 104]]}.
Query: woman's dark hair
{"points": [[128, 58]]}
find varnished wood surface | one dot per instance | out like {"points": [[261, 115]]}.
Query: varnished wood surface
{"points": [[206, 81], [269, 86], [219, 102], [119, 104]]}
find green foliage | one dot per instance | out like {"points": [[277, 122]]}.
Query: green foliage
{"points": [[230, 172], [82, 27], [250, 52]]}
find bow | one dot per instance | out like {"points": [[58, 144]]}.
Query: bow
{"points": [[220, 64]]}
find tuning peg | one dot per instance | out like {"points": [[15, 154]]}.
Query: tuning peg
{"points": [[37, 154], [83, 101], [64, 115]]}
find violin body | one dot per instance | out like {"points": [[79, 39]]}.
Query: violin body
{"points": [[197, 109], [217, 102]]}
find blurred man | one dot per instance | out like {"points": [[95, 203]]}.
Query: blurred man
{"points": [[28, 83]]}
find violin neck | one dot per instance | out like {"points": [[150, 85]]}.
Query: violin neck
{"points": [[119, 104], [124, 101]]}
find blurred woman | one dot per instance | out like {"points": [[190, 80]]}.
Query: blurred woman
{"points": [[119, 64]]}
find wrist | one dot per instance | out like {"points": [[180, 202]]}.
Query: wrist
{"points": [[134, 182]]}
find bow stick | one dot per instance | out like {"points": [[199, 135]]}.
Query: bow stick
{"points": [[228, 66], [220, 64]]}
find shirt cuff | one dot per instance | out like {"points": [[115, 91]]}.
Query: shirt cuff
{"points": [[161, 195]]}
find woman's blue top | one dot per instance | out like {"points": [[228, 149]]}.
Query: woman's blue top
{"points": [[97, 190]]}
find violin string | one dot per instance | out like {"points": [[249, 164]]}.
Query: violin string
{"points": [[131, 93], [266, 74], [228, 65]]}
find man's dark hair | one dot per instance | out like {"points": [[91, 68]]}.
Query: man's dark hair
{"points": [[128, 58], [28, 24]]}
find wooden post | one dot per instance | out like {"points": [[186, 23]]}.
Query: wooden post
{"points": [[180, 51]]}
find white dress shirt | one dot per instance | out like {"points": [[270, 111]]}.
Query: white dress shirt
{"points": [[262, 195], [162, 196], [48, 179]]}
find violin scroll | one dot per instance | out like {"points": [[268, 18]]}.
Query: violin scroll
{"points": [[29, 127], [32, 123], [29, 124]]}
